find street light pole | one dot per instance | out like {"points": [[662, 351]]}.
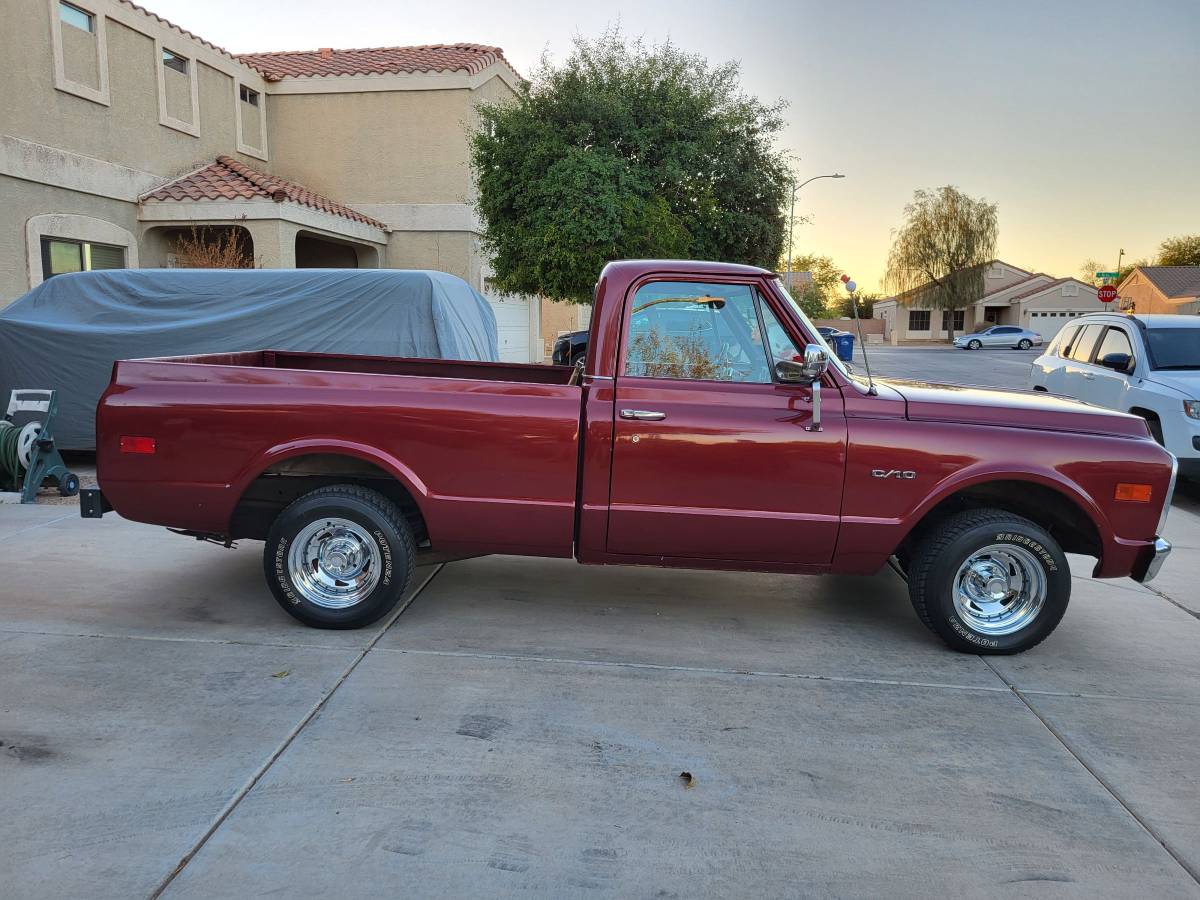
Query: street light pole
{"points": [[792, 220]]}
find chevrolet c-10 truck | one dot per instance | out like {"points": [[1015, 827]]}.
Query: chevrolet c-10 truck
{"points": [[708, 427]]}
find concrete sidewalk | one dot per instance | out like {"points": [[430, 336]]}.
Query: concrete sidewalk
{"points": [[521, 727]]}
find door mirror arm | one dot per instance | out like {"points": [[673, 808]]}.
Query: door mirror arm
{"points": [[810, 370]]}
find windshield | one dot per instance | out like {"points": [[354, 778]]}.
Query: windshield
{"points": [[1174, 348], [833, 358]]}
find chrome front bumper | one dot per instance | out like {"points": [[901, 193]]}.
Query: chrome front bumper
{"points": [[1162, 549]]}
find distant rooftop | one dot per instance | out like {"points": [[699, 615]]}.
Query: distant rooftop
{"points": [[468, 58], [1174, 281]]}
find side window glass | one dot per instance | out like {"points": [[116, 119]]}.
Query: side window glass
{"points": [[1115, 341], [1082, 350], [779, 345], [1064, 341], [692, 330]]}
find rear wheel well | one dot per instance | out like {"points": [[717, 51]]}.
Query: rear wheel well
{"points": [[282, 482], [1066, 522]]}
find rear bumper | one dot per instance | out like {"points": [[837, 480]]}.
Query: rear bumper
{"points": [[1150, 560]]}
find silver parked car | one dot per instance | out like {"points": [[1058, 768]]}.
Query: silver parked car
{"points": [[999, 336]]}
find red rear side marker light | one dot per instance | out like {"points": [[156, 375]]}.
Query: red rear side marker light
{"points": [[134, 444], [1138, 493]]}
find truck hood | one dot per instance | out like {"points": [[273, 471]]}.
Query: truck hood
{"points": [[1185, 382], [1013, 409]]}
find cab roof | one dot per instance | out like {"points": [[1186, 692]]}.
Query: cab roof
{"points": [[635, 267]]}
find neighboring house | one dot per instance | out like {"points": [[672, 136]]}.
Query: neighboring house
{"points": [[1161, 289], [1011, 296], [120, 133]]}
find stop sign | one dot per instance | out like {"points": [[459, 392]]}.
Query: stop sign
{"points": [[1107, 294]]}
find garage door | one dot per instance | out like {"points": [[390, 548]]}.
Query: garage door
{"points": [[1048, 324], [512, 327]]}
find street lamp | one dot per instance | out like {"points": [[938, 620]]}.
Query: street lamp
{"points": [[792, 220]]}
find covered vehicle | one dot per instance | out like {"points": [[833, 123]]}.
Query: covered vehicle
{"points": [[66, 333]]}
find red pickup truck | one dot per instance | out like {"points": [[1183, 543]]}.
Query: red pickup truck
{"points": [[708, 428]]}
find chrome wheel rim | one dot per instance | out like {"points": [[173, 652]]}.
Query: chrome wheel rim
{"points": [[334, 563], [1000, 589]]}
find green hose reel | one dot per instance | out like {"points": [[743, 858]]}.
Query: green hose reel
{"points": [[27, 453]]}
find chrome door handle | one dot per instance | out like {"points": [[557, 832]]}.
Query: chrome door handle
{"points": [[643, 415], [1088, 376]]}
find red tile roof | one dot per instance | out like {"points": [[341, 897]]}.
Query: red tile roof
{"points": [[469, 58], [228, 179]]}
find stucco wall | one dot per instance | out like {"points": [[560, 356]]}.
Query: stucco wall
{"points": [[23, 200], [374, 147], [128, 131], [455, 252]]}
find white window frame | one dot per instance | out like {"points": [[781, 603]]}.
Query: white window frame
{"points": [[193, 75], [61, 81]]}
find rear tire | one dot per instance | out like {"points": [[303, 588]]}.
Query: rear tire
{"points": [[988, 581], [1025, 344], [339, 557]]}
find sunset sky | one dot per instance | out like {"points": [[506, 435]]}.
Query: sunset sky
{"points": [[1080, 119]]}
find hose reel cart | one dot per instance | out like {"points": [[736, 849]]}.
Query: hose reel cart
{"points": [[27, 453]]}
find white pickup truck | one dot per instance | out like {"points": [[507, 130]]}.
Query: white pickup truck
{"points": [[1148, 365]]}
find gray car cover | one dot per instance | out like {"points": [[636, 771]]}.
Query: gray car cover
{"points": [[66, 333]]}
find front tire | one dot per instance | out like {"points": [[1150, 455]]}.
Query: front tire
{"points": [[974, 345], [988, 581], [339, 557]]}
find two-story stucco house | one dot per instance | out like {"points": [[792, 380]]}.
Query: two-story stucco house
{"points": [[120, 133], [1011, 296]]}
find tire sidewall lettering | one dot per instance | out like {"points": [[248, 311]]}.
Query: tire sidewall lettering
{"points": [[1048, 562]]}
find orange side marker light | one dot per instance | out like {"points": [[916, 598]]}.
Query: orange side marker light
{"points": [[1137, 493]]}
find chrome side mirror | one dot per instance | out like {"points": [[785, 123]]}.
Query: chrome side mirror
{"points": [[810, 371]]}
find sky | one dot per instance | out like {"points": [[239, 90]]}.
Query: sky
{"points": [[1079, 118]]}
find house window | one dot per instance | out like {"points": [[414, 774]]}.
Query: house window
{"points": [[60, 256], [960, 318], [249, 96], [77, 17], [1070, 290], [995, 272], [175, 61], [918, 320]]}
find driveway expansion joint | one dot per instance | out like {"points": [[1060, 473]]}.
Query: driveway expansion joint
{"points": [[287, 741], [1103, 782]]}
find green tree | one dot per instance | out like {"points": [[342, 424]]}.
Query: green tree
{"points": [[819, 296], [939, 254], [625, 151], [1179, 251], [866, 304]]}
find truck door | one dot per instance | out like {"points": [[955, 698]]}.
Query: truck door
{"points": [[712, 458]]}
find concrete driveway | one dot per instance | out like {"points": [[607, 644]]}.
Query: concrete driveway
{"points": [[519, 729]]}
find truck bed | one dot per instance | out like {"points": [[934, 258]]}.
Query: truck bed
{"points": [[531, 373], [495, 444]]}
